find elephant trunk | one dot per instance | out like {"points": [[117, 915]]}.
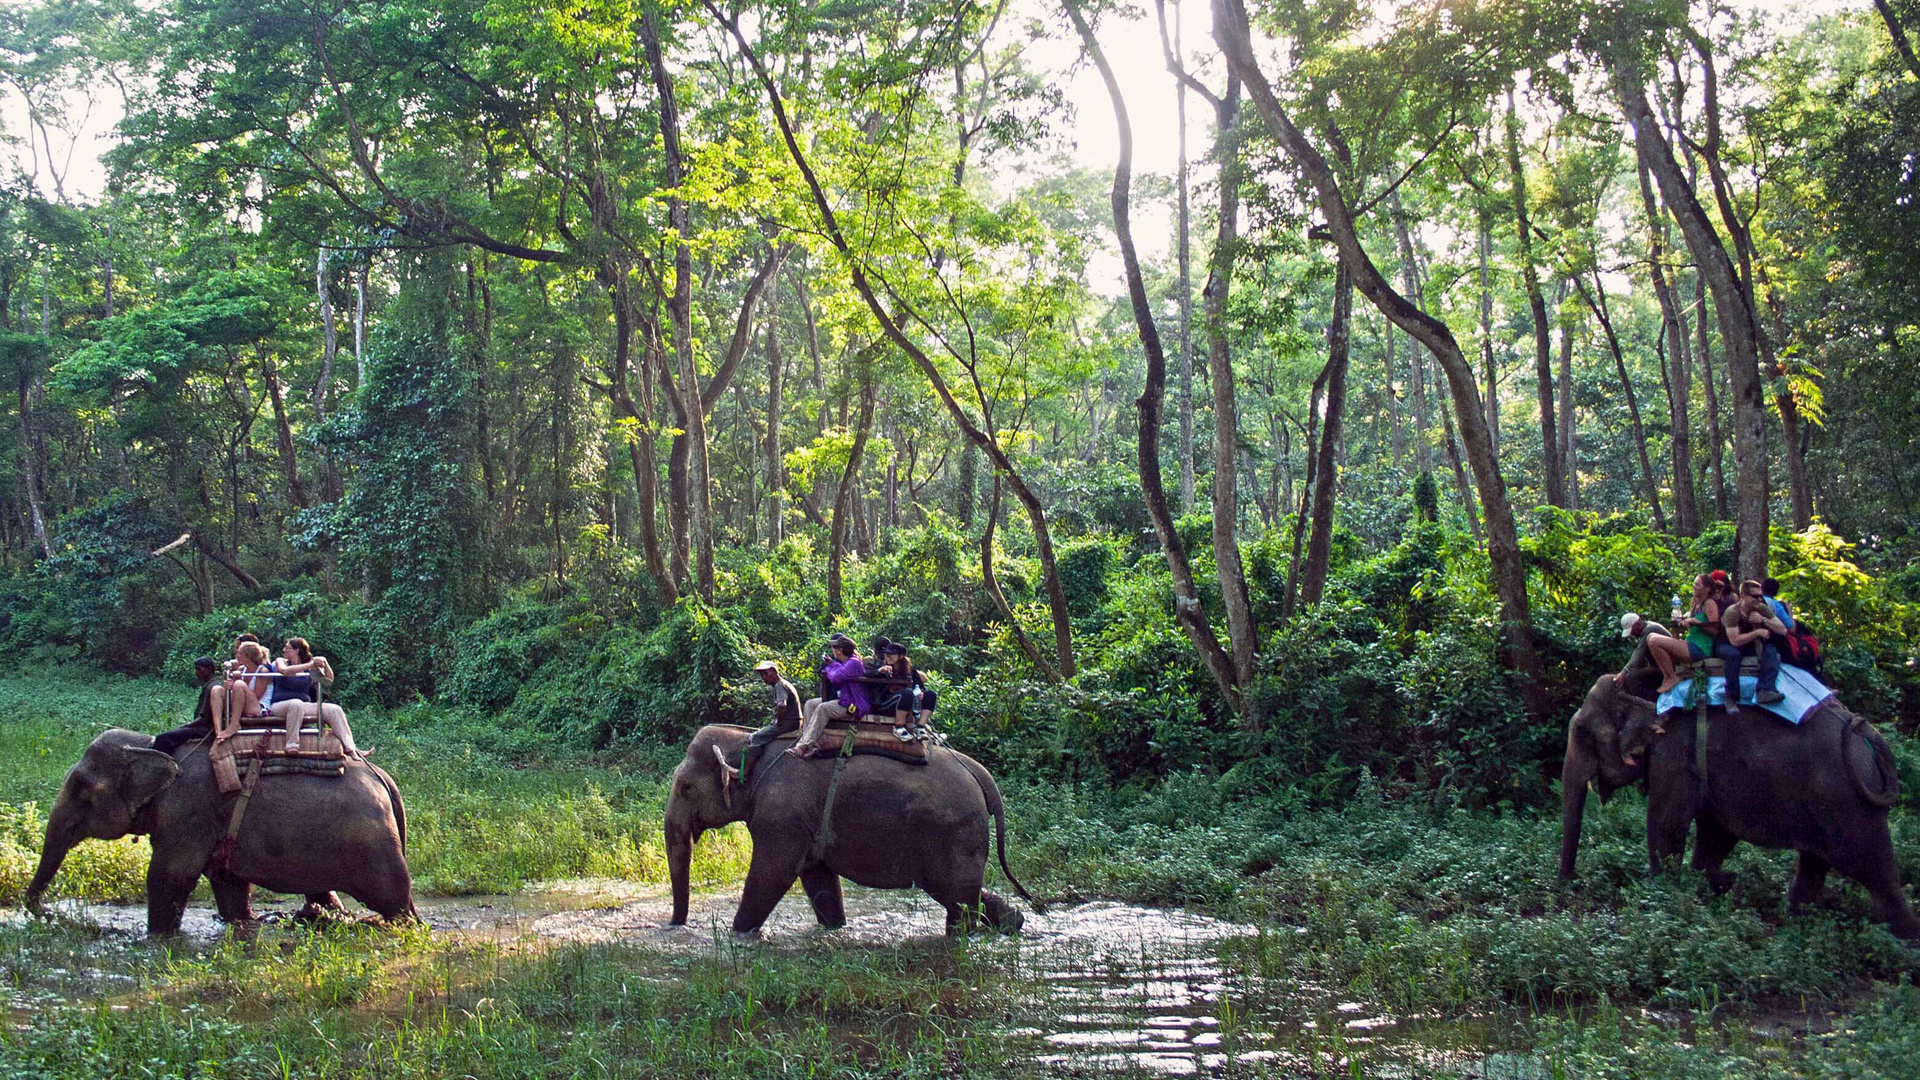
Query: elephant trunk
{"points": [[1575, 774], [60, 838], [680, 838]]}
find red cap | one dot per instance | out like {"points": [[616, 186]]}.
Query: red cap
{"points": [[1720, 577]]}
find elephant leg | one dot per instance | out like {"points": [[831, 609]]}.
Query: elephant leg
{"points": [[1871, 863], [823, 891], [1711, 846], [1669, 808], [1809, 880], [769, 876], [232, 897], [962, 918], [168, 888]]}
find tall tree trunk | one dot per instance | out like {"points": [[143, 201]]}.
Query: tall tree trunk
{"points": [[360, 321], [693, 447], [1486, 327], [1503, 541], [1733, 309], [1900, 43], [1326, 472], [1461, 487], [1569, 440], [1596, 301], [776, 383], [289, 464], [30, 462], [1185, 226], [640, 437], [1310, 439], [1393, 400], [1242, 635], [1416, 365], [1553, 459], [846, 500], [1716, 444], [1191, 613], [974, 432], [1685, 513]]}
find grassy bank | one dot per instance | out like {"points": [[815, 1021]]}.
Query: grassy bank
{"points": [[1416, 911]]}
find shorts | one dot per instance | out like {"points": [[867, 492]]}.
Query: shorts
{"points": [[1695, 652]]}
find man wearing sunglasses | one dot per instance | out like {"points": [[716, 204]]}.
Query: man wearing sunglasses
{"points": [[1752, 630]]}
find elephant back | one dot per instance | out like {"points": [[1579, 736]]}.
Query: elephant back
{"points": [[1868, 759]]}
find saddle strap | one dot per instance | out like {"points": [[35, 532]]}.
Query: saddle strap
{"points": [[823, 839], [223, 855], [1700, 739]]}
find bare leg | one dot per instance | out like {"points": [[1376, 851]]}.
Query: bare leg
{"points": [[217, 704], [1666, 653], [242, 698]]}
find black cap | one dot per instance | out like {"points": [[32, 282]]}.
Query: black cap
{"points": [[205, 662], [895, 648], [840, 639]]}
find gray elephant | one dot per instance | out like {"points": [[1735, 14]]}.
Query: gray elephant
{"points": [[893, 826], [1821, 787], [301, 834]]}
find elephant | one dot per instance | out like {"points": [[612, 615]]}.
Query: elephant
{"points": [[1821, 787], [301, 834], [893, 825]]}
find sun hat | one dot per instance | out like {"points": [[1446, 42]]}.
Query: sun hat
{"points": [[766, 665]]}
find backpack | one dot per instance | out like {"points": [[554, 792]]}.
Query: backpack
{"points": [[1802, 650]]}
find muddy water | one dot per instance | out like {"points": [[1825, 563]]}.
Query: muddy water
{"points": [[1114, 986]]}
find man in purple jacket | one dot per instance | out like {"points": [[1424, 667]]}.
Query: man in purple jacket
{"points": [[843, 672]]}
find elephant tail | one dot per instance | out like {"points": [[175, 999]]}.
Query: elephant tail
{"points": [[1887, 790], [399, 806], [399, 823], [991, 791]]}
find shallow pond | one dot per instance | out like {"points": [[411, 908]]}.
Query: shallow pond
{"points": [[1110, 986]]}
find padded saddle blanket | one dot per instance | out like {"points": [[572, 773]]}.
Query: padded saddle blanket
{"points": [[319, 755], [871, 738], [1801, 691]]}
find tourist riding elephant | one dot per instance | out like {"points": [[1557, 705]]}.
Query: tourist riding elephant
{"points": [[301, 834], [1821, 787], [893, 825]]}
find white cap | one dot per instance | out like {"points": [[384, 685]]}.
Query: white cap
{"points": [[1627, 623]]}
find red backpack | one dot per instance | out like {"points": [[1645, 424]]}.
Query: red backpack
{"points": [[1802, 649]]}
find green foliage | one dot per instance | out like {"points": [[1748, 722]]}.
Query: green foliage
{"points": [[1084, 565], [102, 595], [408, 528]]}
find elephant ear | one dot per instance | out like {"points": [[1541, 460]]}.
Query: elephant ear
{"points": [[148, 772]]}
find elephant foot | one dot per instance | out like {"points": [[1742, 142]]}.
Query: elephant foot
{"points": [[749, 937], [1719, 880], [1001, 915]]}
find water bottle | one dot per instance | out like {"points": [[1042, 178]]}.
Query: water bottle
{"points": [[1677, 612]]}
